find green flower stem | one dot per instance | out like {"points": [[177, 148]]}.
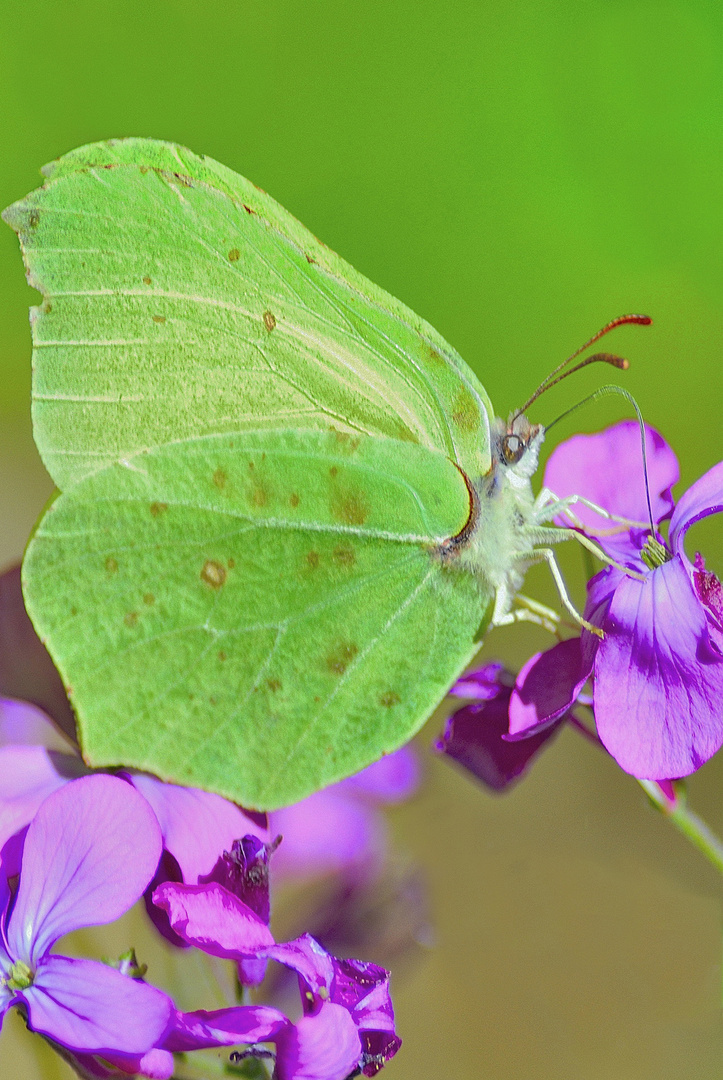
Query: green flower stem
{"points": [[686, 822]]}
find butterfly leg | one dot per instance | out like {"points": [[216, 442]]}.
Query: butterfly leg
{"points": [[549, 506], [548, 555], [530, 611]]}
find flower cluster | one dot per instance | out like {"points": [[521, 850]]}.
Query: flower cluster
{"points": [[78, 849], [657, 670]]}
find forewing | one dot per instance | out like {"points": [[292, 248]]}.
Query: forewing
{"points": [[257, 614], [180, 300]]}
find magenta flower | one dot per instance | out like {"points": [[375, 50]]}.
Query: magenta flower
{"points": [[35, 760], [89, 853], [347, 1022], [658, 672], [475, 735]]}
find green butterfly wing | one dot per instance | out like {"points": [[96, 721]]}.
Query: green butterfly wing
{"points": [[244, 583], [181, 300], [260, 613]]}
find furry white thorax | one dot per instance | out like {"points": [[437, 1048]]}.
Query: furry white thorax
{"points": [[508, 532]]}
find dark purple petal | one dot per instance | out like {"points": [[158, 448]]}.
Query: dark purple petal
{"points": [[225, 1027], [213, 919], [547, 687], [197, 826], [167, 870], [607, 469], [244, 871], [703, 498], [710, 593], [379, 1047], [325, 833], [363, 988], [658, 681], [473, 737], [323, 1046], [391, 779], [89, 1006], [90, 851], [26, 670], [484, 684]]}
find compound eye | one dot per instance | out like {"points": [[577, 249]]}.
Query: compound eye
{"points": [[513, 447]]}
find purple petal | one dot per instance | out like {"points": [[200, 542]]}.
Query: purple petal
{"points": [[607, 468], [324, 1046], [328, 832], [658, 681], [90, 851], [88, 1006], [391, 779], [710, 593], [363, 988], [702, 498], [27, 776], [484, 684], [473, 737], [379, 1048], [23, 724], [244, 871], [213, 919], [311, 962], [197, 826], [225, 1027], [156, 1065], [26, 670], [547, 687]]}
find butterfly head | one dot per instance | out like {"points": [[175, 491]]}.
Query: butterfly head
{"points": [[516, 447]]}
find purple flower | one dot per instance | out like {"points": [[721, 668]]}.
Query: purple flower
{"points": [[35, 760], [89, 853], [658, 672], [475, 735], [347, 1022]]}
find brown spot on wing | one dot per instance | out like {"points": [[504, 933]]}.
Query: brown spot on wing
{"points": [[273, 685], [158, 508], [260, 496], [111, 565], [313, 559], [220, 478], [234, 255], [269, 321], [350, 507], [149, 598], [222, 656], [389, 698], [213, 573], [159, 318], [294, 499], [34, 218], [341, 656], [465, 411], [147, 281], [344, 556], [131, 618]]}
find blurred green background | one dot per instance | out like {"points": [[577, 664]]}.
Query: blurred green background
{"points": [[519, 173]]}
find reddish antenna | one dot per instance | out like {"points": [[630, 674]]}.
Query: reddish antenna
{"points": [[607, 358]]}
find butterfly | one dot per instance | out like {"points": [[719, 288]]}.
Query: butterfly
{"points": [[286, 510]]}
